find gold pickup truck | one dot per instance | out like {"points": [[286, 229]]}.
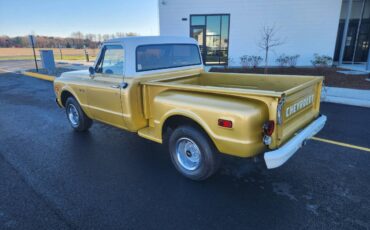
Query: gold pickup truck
{"points": [[157, 87]]}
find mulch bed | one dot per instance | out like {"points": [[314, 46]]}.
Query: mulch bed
{"points": [[332, 77]]}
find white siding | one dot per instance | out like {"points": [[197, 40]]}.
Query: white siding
{"points": [[307, 27]]}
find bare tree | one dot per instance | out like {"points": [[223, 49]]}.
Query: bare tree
{"points": [[75, 40], [120, 34], [100, 38], [269, 40], [91, 37], [106, 37], [78, 35]]}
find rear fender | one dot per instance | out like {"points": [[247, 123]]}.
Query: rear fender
{"points": [[243, 139]]}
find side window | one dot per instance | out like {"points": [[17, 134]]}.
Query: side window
{"points": [[112, 60]]}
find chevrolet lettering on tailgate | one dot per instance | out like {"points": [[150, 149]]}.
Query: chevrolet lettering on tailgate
{"points": [[299, 105]]}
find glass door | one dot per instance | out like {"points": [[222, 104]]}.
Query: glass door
{"points": [[199, 34]]}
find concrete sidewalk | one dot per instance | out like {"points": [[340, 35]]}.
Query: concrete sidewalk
{"points": [[356, 67], [356, 97]]}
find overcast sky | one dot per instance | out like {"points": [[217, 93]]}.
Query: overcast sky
{"points": [[62, 17]]}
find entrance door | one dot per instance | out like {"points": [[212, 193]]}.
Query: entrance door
{"points": [[199, 34]]}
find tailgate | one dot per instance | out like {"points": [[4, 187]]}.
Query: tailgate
{"points": [[301, 106]]}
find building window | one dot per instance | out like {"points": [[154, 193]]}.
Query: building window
{"points": [[212, 34]]}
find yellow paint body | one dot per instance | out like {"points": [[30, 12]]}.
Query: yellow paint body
{"points": [[248, 100]]}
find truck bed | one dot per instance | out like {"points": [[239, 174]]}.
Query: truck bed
{"points": [[269, 89], [273, 85]]}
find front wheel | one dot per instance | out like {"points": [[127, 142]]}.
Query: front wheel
{"points": [[193, 153], [76, 117]]}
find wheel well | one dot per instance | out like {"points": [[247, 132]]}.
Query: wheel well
{"points": [[175, 121], [65, 95]]}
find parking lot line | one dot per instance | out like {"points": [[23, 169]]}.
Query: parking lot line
{"points": [[341, 144]]}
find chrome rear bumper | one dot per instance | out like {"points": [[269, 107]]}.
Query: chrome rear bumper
{"points": [[279, 156]]}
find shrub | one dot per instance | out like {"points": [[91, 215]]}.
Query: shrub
{"points": [[292, 60], [284, 60], [245, 61], [256, 61], [250, 61], [321, 60]]}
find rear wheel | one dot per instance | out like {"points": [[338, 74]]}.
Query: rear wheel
{"points": [[192, 153], [76, 116]]}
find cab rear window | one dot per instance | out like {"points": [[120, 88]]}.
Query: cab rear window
{"points": [[163, 56]]}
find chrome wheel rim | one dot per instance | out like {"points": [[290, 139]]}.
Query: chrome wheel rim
{"points": [[73, 115], [188, 154]]}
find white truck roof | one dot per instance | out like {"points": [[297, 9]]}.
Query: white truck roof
{"points": [[130, 43], [148, 40]]}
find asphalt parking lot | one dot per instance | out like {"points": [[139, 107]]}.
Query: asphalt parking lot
{"points": [[54, 178]]}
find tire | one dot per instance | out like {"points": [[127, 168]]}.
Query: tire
{"points": [[192, 153], [76, 117]]}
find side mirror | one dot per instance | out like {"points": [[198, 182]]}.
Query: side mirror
{"points": [[91, 71]]}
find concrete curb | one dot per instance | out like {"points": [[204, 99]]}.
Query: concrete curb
{"points": [[356, 97], [39, 76]]}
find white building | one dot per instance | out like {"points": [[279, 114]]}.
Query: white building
{"points": [[229, 29]]}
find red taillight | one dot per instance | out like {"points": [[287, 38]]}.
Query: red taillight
{"points": [[225, 123], [268, 127]]}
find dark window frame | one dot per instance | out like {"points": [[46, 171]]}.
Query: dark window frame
{"points": [[172, 67], [205, 41]]}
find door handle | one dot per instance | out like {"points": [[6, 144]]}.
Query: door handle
{"points": [[123, 85], [115, 86]]}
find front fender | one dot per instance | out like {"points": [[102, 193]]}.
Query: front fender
{"points": [[77, 92]]}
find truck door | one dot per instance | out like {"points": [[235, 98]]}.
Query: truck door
{"points": [[104, 88]]}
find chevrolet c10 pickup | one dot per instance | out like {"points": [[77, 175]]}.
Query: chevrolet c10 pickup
{"points": [[158, 88]]}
